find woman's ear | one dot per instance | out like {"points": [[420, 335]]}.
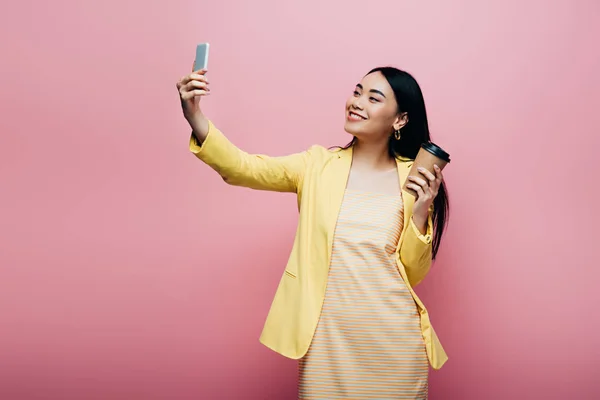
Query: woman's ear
{"points": [[401, 121]]}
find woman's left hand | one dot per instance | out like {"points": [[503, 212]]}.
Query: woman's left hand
{"points": [[426, 190]]}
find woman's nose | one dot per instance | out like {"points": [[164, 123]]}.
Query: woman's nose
{"points": [[357, 104]]}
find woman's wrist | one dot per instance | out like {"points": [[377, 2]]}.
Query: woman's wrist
{"points": [[420, 222], [199, 125]]}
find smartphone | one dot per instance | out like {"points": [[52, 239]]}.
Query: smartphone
{"points": [[201, 56]]}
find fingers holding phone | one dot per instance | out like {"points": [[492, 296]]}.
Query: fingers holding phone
{"points": [[194, 85], [191, 89]]}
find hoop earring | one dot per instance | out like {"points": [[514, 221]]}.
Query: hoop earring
{"points": [[397, 134]]}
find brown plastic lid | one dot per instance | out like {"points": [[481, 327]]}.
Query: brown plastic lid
{"points": [[436, 151]]}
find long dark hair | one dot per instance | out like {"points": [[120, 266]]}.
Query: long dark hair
{"points": [[416, 132]]}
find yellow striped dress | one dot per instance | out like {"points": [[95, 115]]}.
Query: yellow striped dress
{"points": [[368, 342]]}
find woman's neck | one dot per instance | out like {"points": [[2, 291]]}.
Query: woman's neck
{"points": [[372, 156]]}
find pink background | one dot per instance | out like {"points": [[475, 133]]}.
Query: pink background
{"points": [[129, 270]]}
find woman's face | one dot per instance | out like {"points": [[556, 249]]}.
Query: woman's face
{"points": [[372, 111]]}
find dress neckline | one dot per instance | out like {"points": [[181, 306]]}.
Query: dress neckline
{"points": [[373, 193]]}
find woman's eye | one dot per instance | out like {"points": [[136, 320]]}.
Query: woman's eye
{"points": [[356, 93], [374, 99]]}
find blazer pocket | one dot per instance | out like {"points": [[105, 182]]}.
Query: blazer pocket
{"points": [[290, 274]]}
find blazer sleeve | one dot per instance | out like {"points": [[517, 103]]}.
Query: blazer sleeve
{"points": [[416, 251], [255, 171]]}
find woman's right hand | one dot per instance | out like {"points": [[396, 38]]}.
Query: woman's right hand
{"points": [[191, 89]]}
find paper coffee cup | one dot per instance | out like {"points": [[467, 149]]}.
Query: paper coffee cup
{"points": [[429, 155]]}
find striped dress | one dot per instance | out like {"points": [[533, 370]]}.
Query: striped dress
{"points": [[368, 342]]}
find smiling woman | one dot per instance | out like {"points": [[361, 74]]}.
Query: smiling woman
{"points": [[345, 306], [404, 101]]}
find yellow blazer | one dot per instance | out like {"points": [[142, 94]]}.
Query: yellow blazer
{"points": [[318, 176]]}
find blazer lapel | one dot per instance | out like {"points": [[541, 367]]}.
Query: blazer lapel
{"points": [[335, 184], [408, 200]]}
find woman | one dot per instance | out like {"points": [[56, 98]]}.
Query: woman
{"points": [[345, 305]]}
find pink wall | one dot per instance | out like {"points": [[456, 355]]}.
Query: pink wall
{"points": [[131, 271]]}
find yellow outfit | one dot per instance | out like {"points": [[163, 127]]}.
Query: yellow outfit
{"points": [[318, 176]]}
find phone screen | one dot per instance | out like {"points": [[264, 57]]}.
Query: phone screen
{"points": [[201, 56]]}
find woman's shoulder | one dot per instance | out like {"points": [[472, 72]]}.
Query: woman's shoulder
{"points": [[320, 151]]}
